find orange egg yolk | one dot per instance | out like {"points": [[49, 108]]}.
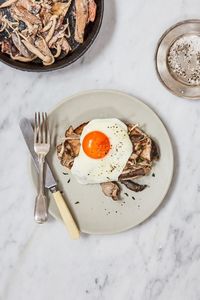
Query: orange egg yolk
{"points": [[96, 144]]}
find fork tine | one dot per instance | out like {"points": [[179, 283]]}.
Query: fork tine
{"points": [[43, 126], [47, 128], [39, 129], [35, 129]]}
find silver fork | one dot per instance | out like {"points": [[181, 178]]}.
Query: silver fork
{"points": [[41, 147]]}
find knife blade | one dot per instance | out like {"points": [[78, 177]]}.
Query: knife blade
{"points": [[28, 134], [50, 181]]}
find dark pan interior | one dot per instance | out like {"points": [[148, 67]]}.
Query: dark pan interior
{"points": [[91, 32]]}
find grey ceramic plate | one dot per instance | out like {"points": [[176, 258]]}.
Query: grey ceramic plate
{"points": [[95, 213]]}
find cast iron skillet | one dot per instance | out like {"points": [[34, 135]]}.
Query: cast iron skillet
{"points": [[91, 33]]}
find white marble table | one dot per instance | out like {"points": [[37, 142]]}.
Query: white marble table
{"points": [[159, 259]]}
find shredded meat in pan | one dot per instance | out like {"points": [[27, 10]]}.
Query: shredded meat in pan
{"points": [[31, 29], [145, 152]]}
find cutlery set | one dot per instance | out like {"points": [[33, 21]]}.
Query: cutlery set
{"points": [[38, 143]]}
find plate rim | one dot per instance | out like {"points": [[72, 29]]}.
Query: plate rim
{"points": [[112, 91], [166, 32]]}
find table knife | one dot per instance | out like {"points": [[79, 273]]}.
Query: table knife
{"points": [[50, 182]]}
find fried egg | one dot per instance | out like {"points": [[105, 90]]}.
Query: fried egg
{"points": [[104, 151]]}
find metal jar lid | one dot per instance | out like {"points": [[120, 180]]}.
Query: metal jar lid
{"points": [[178, 59]]}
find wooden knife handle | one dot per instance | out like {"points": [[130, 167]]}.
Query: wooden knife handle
{"points": [[66, 216]]}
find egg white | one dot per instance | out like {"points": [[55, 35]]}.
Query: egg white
{"points": [[88, 170]]}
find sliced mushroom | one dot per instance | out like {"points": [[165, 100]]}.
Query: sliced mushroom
{"points": [[45, 58], [47, 26], [23, 14], [65, 46], [7, 3], [135, 133], [150, 150], [22, 58], [60, 150], [69, 131], [130, 174], [81, 19], [64, 156], [57, 35], [60, 8], [133, 186], [6, 46], [70, 134], [73, 141], [111, 189], [20, 46], [70, 148], [155, 151], [80, 128], [60, 22], [92, 8], [58, 48], [32, 6], [146, 147], [52, 29], [42, 46], [67, 161], [3, 27], [45, 15], [75, 146]]}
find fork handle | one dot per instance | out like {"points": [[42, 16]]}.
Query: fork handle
{"points": [[40, 213]]}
